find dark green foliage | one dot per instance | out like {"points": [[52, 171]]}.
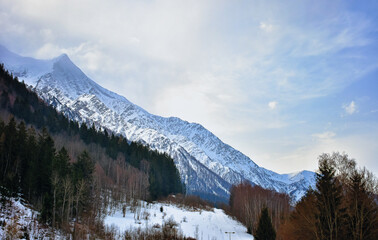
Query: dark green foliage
{"points": [[265, 229], [362, 210], [343, 205], [164, 177], [43, 165], [28, 161], [8, 156], [163, 174], [31, 151], [83, 168], [30, 165], [328, 195], [61, 163], [23, 154]]}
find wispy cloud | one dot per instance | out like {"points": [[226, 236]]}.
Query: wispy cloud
{"points": [[235, 67], [350, 108], [324, 135], [266, 27], [272, 105]]}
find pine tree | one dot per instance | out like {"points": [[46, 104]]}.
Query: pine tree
{"points": [[328, 196], [22, 152], [61, 164], [362, 210], [43, 185], [31, 149], [265, 229], [9, 156], [83, 168], [45, 159], [82, 171]]}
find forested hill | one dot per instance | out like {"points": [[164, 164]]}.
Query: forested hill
{"points": [[66, 168]]}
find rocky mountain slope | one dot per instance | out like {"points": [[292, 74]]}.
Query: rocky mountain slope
{"points": [[207, 165]]}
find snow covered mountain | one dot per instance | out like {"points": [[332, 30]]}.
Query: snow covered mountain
{"points": [[207, 165]]}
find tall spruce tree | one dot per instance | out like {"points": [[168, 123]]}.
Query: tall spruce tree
{"points": [[328, 196], [61, 163], [9, 156], [22, 151], [43, 185], [265, 229], [82, 171], [362, 209]]}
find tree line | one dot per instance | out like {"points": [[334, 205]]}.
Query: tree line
{"points": [[31, 166], [24, 104], [68, 170], [344, 205], [247, 201]]}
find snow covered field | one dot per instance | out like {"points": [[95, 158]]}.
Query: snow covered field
{"points": [[199, 224]]}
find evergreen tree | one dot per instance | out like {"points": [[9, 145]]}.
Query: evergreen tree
{"points": [[61, 164], [9, 157], [44, 163], [82, 171], [30, 165], [31, 149], [22, 152], [265, 229], [43, 185], [328, 196], [344, 205], [83, 168], [362, 210]]}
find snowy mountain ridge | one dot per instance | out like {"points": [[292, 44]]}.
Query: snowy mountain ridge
{"points": [[207, 165]]}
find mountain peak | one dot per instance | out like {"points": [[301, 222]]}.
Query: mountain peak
{"points": [[206, 164], [63, 58]]}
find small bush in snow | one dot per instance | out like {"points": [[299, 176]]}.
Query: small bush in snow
{"points": [[170, 228], [146, 215], [156, 225]]}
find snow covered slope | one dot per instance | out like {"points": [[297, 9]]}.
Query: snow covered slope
{"points": [[198, 224], [207, 165], [19, 221]]}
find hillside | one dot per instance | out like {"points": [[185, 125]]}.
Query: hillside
{"points": [[70, 173], [190, 222], [207, 166]]}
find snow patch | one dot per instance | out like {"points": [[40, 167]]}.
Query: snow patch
{"points": [[199, 224]]}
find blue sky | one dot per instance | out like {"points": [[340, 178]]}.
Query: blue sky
{"points": [[281, 81]]}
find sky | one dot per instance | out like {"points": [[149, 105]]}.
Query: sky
{"points": [[281, 81]]}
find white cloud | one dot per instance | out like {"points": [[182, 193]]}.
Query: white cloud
{"points": [[350, 108], [266, 27], [272, 105], [48, 51], [212, 62], [361, 147], [324, 135]]}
